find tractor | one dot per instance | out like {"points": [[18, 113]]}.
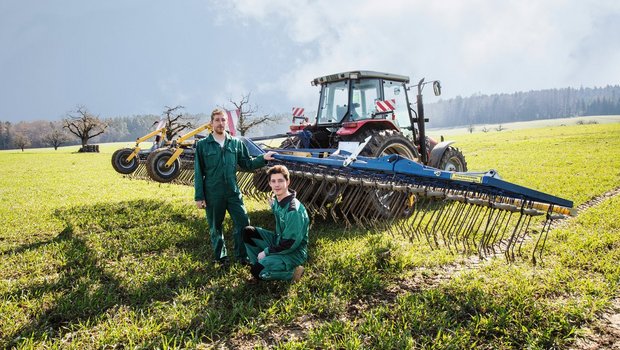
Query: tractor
{"points": [[352, 107]]}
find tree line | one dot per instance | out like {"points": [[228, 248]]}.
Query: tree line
{"points": [[459, 111], [524, 106], [80, 126]]}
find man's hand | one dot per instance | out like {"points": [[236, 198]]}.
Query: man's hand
{"points": [[269, 155], [261, 256], [201, 204]]}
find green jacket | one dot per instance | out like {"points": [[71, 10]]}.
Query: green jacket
{"points": [[292, 225], [215, 167]]}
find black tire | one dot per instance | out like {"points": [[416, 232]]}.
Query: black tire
{"points": [[120, 163], [385, 142], [453, 160], [156, 166]]}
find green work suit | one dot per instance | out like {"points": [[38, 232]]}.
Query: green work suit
{"points": [[215, 181], [285, 248]]}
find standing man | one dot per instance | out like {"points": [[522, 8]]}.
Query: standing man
{"points": [[215, 184], [278, 255]]}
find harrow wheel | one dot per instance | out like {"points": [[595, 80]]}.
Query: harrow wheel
{"points": [[453, 160], [156, 166], [120, 162]]}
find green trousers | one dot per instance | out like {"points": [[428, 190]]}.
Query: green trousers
{"points": [[274, 266], [217, 206]]}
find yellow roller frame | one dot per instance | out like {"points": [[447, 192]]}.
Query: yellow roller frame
{"points": [[182, 139], [137, 149]]}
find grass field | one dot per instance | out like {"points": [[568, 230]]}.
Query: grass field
{"points": [[93, 260]]}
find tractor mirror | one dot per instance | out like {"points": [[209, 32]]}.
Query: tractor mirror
{"points": [[437, 87]]}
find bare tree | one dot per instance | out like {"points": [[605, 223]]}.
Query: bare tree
{"points": [[84, 124], [247, 119], [55, 137], [471, 128], [485, 129], [500, 128], [21, 141], [177, 122]]}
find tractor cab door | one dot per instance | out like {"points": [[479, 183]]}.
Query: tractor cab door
{"points": [[334, 103], [397, 92], [364, 95]]}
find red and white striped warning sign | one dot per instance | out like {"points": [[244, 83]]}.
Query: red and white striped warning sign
{"points": [[233, 119], [386, 106], [298, 112]]}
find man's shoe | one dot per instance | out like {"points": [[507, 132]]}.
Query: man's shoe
{"points": [[252, 281], [223, 262], [297, 273]]}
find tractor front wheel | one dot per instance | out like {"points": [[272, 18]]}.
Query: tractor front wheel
{"points": [[453, 160], [120, 162], [157, 169]]}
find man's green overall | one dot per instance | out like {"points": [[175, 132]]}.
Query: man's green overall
{"points": [[215, 181], [286, 248]]}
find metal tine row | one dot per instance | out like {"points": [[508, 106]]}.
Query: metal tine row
{"points": [[462, 221]]}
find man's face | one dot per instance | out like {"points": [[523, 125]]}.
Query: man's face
{"points": [[278, 184], [219, 124]]}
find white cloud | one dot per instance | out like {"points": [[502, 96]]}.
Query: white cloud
{"points": [[472, 46]]}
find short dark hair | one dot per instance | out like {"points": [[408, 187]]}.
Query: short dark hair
{"points": [[279, 169], [216, 112]]}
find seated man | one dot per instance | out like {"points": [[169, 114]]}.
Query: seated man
{"points": [[279, 255]]}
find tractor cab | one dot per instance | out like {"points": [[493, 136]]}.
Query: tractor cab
{"points": [[357, 104], [351, 99]]}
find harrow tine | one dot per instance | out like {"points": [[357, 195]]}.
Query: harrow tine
{"points": [[465, 228], [544, 232]]}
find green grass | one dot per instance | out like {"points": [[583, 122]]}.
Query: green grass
{"points": [[92, 260]]}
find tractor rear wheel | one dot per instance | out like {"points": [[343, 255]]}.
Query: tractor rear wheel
{"points": [[157, 169], [120, 162], [385, 142], [453, 160]]}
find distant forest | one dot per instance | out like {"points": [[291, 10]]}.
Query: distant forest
{"points": [[459, 111], [524, 106]]}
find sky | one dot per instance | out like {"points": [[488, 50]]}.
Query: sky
{"points": [[130, 57]]}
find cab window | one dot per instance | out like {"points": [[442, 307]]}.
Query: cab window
{"points": [[365, 93]]}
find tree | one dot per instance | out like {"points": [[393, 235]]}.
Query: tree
{"points": [[21, 141], [6, 139], [84, 124], [55, 137], [500, 127], [471, 128], [247, 119], [175, 123]]}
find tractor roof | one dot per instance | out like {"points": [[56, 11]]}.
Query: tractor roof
{"points": [[357, 74]]}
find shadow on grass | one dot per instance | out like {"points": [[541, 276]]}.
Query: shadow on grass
{"points": [[134, 254]]}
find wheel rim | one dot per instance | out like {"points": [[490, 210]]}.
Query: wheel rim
{"points": [[399, 149], [127, 164], [453, 164], [162, 169]]}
